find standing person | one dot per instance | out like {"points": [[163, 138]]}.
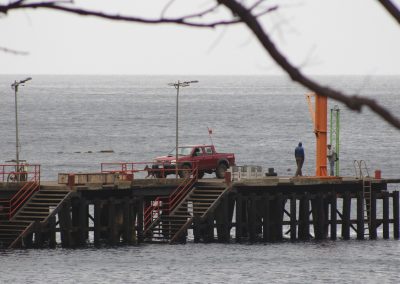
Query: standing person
{"points": [[299, 155], [331, 159]]}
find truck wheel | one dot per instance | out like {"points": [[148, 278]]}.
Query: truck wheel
{"points": [[186, 171], [221, 169]]}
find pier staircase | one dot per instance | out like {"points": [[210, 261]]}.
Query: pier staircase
{"points": [[42, 205], [170, 223]]}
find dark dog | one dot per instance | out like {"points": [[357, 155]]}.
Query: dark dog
{"points": [[151, 173]]}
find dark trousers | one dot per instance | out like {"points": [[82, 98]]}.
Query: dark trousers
{"points": [[299, 162]]}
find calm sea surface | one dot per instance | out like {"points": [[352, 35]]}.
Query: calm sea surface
{"points": [[65, 121]]}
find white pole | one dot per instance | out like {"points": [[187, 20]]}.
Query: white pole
{"points": [[177, 126]]}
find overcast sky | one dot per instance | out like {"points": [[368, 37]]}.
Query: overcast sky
{"points": [[320, 36]]}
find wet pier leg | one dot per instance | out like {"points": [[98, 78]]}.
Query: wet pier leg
{"points": [[385, 214], [360, 216], [373, 225], [304, 224], [266, 218], [396, 214], [293, 219], [346, 216], [333, 215], [239, 224]]}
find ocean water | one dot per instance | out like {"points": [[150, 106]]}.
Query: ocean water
{"points": [[65, 121]]}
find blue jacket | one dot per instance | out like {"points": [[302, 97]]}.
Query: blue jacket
{"points": [[299, 152]]}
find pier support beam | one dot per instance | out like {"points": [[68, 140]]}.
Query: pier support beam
{"points": [[360, 216], [333, 215], [346, 216], [293, 219], [266, 218], [396, 215], [385, 214], [304, 222]]}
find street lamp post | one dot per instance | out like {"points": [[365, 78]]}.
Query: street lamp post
{"points": [[177, 85], [15, 86]]}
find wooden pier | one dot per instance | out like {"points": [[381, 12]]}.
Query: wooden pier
{"points": [[268, 209]]}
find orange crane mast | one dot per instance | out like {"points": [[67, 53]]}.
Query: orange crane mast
{"points": [[319, 118]]}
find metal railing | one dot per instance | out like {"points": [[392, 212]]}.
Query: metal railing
{"points": [[26, 175], [165, 205], [127, 170]]}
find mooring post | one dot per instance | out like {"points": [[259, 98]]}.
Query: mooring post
{"points": [[373, 227], [360, 216], [304, 221], [266, 218], [396, 214], [293, 220], [239, 203], [333, 215], [97, 222], [346, 216], [385, 214]]}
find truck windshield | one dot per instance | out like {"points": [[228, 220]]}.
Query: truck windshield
{"points": [[182, 151]]}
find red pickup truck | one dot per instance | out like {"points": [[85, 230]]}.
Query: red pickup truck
{"points": [[207, 159]]}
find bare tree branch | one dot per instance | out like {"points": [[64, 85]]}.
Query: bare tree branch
{"points": [[13, 51], [391, 8], [353, 102], [184, 20]]}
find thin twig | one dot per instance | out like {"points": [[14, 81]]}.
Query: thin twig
{"points": [[13, 51]]}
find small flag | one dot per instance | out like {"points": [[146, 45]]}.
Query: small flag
{"points": [[209, 131]]}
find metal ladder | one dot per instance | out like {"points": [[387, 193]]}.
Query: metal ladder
{"points": [[363, 174]]}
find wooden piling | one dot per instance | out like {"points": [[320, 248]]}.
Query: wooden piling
{"points": [[52, 232], [293, 220], [318, 217], [360, 216], [83, 221], [112, 233], [97, 222], [304, 223], [280, 205], [373, 225], [239, 226], [333, 215], [266, 217], [222, 220], [128, 221], [140, 221], [346, 215], [385, 214], [65, 222], [396, 214], [252, 217]]}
